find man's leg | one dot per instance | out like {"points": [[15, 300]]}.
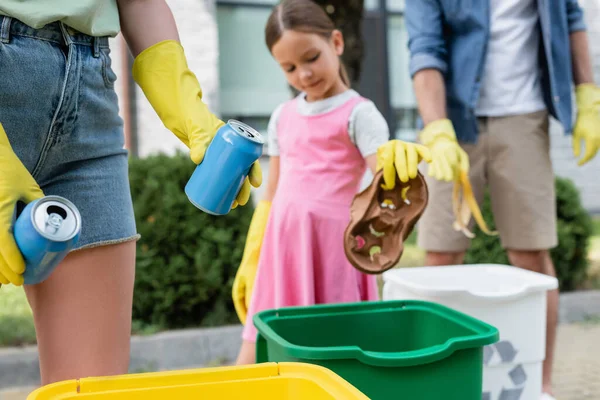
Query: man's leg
{"points": [[436, 258], [540, 261], [521, 181]]}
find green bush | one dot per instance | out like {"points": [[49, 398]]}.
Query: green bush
{"points": [[16, 319], [186, 259], [574, 230]]}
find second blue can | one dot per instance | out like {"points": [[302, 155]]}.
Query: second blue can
{"points": [[45, 231], [217, 180]]}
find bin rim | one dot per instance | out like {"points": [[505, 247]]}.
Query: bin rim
{"points": [[484, 333], [326, 379], [538, 283]]}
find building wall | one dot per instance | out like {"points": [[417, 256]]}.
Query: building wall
{"points": [[197, 22]]}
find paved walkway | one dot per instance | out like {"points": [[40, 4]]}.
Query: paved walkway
{"points": [[576, 373], [577, 365]]}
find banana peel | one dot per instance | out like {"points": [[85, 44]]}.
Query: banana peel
{"points": [[465, 205]]}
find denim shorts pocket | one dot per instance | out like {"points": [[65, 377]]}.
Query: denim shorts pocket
{"points": [[107, 72], [28, 100]]}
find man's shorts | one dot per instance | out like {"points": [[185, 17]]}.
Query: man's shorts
{"points": [[511, 157]]}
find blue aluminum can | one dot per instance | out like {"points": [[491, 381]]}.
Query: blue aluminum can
{"points": [[45, 231], [217, 180]]}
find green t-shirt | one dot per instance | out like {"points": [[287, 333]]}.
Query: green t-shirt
{"points": [[93, 17]]}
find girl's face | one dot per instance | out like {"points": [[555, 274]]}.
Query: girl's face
{"points": [[311, 62]]}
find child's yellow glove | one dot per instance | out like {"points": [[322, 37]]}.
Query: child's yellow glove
{"points": [[246, 274], [174, 92], [451, 163], [587, 125], [402, 158], [16, 183]]}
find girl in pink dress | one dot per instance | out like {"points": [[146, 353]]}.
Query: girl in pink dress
{"points": [[320, 144]]}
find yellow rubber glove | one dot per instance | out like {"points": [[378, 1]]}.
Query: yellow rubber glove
{"points": [[16, 183], [244, 279], [448, 158], [174, 92], [402, 158], [450, 163], [587, 125]]}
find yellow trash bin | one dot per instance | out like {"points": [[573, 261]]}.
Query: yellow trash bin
{"points": [[268, 381]]}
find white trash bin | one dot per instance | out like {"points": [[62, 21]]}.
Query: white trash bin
{"points": [[509, 298]]}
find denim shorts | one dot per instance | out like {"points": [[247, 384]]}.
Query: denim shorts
{"points": [[60, 111]]}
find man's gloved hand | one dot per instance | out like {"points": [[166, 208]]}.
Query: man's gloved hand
{"points": [[448, 158], [451, 163], [16, 183], [402, 158], [174, 92], [246, 274], [587, 125]]}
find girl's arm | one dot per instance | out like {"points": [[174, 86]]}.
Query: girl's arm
{"points": [[369, 131], [273, 179], [273, 146], [246, 274], [396, 157], [145, 23], [371, 161]]}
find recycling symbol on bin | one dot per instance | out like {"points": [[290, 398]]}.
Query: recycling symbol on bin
{"points": [[507, 353]]}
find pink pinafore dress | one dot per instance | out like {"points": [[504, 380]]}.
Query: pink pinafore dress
{"points": [[302, 260]]}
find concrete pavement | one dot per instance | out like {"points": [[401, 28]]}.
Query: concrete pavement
{"points": [[576, 371]]}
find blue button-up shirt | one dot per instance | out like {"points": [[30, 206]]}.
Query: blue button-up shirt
{"points": [[452, 36]]}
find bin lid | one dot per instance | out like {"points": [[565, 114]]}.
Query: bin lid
{"points": [[490, 281], [266, 381]]}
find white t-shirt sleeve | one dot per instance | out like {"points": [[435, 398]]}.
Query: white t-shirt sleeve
{"points": [[272, 143], [368, 128]]}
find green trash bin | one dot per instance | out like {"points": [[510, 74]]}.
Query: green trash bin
{"points": [[387, 349]]}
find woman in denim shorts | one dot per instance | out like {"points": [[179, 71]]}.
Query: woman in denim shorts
{"points": [[61, 134]]}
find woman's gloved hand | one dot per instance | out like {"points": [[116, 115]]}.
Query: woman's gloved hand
{"points": [[246, 274], [174, 92], [16, 183]]}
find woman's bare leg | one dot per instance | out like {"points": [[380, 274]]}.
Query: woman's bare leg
{"points": [[82, 314]]}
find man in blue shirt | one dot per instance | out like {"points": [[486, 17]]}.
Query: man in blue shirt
{"points": [[487, 75]]}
